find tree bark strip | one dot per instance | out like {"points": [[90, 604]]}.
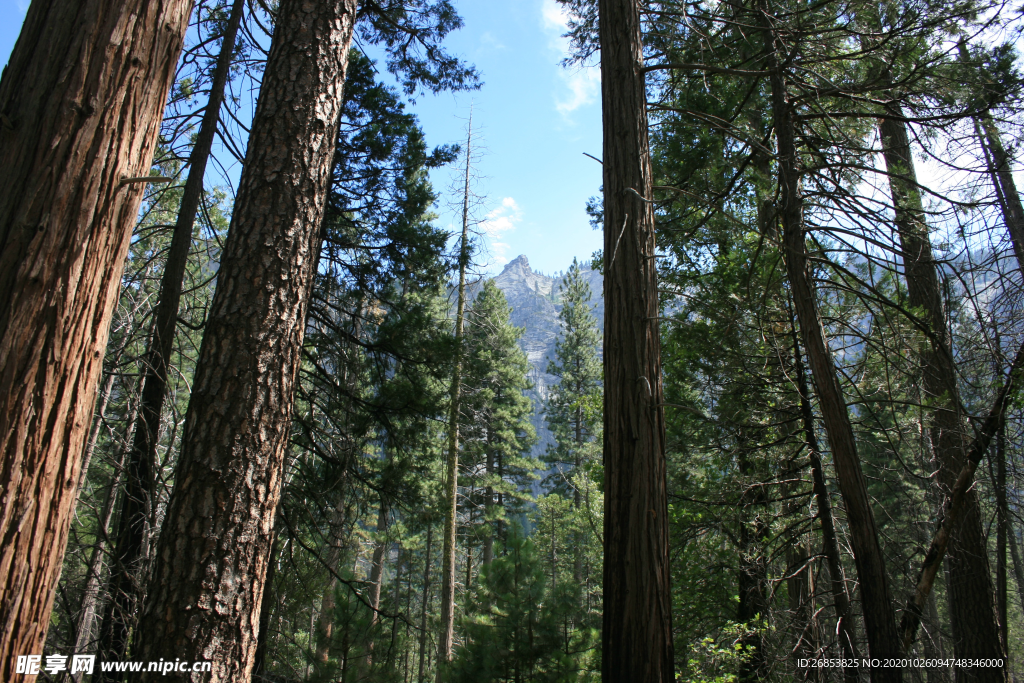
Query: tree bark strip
{"points": [[955, 505], [133, 525], [451, 487], [426, 602], [80, 108], [876, 597], [972, 616], [637, 633], [211, 559], [845, 620]]}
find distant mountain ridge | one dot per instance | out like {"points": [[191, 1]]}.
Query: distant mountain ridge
{"points": [[536, 301]]}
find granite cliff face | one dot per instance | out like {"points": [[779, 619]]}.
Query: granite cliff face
{"points": [[535, 300]]}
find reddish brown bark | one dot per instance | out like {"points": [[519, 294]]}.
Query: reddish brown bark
{"points": [[207, 583], [80, 107], [637, 633]]}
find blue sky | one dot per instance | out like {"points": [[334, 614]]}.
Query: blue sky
{"points": [[534, 118]]}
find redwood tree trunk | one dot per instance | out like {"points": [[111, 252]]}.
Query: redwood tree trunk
{"points": [[129, 563], [637, 633], [211, 559], [876, 598], [972, 617], [80, 107]]}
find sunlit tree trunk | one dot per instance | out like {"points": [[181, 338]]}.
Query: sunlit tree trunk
{"points": [[637, 632], [215, 542], [80, 107], [136, 508]]}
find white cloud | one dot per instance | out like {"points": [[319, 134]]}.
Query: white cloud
{"points": [[581, 84], [498, 222], [489, 41]]}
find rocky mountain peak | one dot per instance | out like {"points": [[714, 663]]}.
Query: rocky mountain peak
{"points": [[536, 301]]}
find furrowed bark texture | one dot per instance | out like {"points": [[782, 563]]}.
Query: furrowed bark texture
{"points": [[876, 598], [211, 559], [129, 564], [637, 633], [80, 107], [972, 614]]}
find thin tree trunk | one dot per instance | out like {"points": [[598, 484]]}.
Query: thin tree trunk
{"points": [[1018, 567], [488, 549], [954, 507], [998, 162], [215, 543], [91, 592], [973, 619], [94, 437], [577, 498], [266, 610], [426, 601], [753, 574], [1002, 518], [376, 576], [80, 108], [125, 589], [845, 620], [444, 644], [332, 561], [637, 634], [876, 598]]}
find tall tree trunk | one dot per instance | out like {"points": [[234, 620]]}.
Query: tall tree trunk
{"points": [[1002, 181], [753, 574], [1002, 520], [129, 561], [91, 592], [451, 487], [973, 619], [998, 163], [80, 108], [1018, 566], [954, 507], [332, 561], [577, 497], [376, 576], [845, 621], [426, 601], [876, 598], [266, 609], [216, 538], [637, 634], [488, 549]]}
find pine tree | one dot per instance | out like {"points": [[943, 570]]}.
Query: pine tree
{"points": [[573, 408], [496, 414], [515, 628]]}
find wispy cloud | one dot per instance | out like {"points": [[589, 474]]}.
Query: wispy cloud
{"points": [[498, 222], [489, 41], [580, 85]]}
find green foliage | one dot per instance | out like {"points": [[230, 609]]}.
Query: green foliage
{"points": [[516, 628], [573, 409]]}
